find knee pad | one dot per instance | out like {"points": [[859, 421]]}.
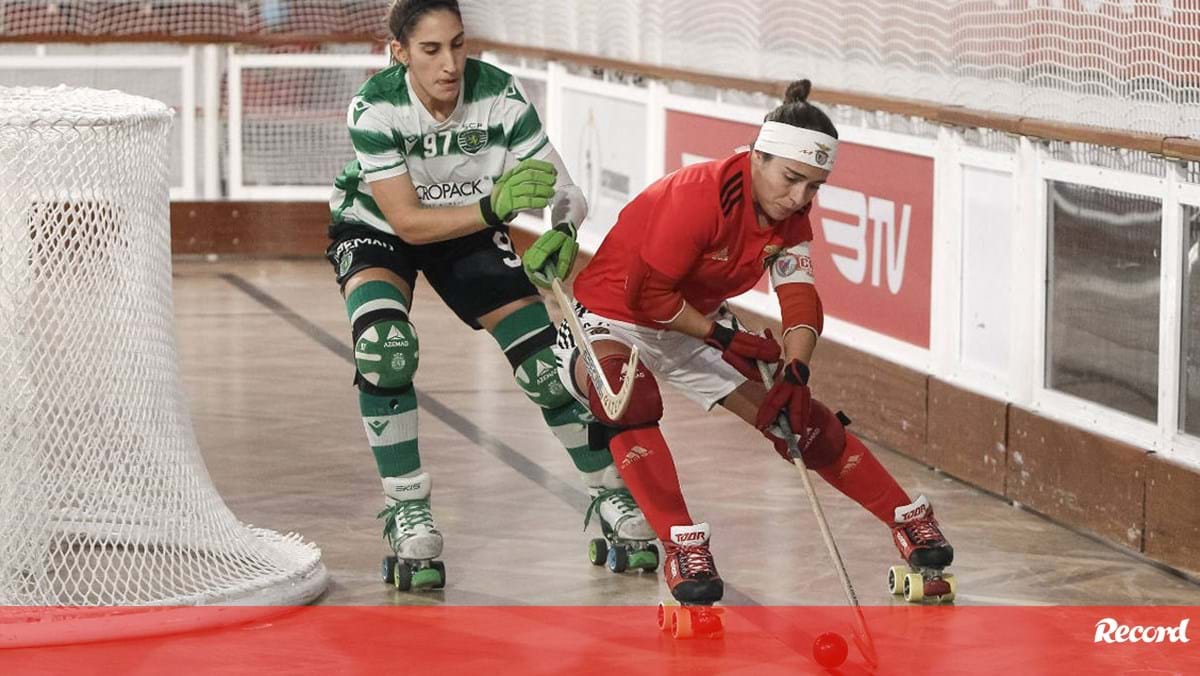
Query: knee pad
{"points": [[826, 437], [645, 403], [538, 377], [527, 336], [385, 351]]}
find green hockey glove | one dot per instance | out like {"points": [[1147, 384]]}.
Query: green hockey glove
{"points": [[529, 185], [552, 255]]}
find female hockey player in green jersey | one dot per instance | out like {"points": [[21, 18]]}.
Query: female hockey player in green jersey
{"points": [[448, 149]]}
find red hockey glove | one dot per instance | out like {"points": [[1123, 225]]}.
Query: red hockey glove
{"points": [[790, 393], [781, 447], [741, 349]]}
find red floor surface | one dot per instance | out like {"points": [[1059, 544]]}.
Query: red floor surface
{"points": [[612, 641]]}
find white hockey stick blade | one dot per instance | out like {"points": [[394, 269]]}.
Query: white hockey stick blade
{"points": [[613, 403]]}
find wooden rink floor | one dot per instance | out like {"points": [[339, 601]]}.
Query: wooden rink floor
{"points": [[264, 353]]}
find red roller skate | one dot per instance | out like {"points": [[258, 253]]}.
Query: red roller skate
{"points": [[927, 553], [694, 583]]}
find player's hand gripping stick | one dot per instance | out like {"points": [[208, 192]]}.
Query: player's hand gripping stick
{"points": [[862, 636], [740, 349]]}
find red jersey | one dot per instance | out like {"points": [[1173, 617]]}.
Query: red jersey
{"points": [[697, 225]]}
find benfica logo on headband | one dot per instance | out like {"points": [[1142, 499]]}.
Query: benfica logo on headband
{"points": [[797, 143], [822, 154]]}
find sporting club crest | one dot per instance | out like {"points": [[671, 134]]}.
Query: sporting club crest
{"points": [[472, 140]]}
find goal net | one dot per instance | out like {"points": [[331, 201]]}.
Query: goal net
{"points": [[104, 497]]}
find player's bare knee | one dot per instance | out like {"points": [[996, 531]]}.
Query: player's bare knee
{"points": [[645, 402], [826, 438]]}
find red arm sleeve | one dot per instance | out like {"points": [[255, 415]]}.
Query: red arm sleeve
{"points": [[800, 305]]}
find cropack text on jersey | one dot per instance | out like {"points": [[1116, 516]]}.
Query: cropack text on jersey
{"points": [[451, 163]]}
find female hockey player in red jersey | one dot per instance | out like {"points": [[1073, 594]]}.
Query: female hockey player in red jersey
{"points": [[447, 150], [687, 243]]}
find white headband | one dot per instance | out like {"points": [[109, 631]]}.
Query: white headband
{"points": [[796, 143]]}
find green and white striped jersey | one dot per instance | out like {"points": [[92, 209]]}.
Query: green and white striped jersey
{"points": [[451, 163]]}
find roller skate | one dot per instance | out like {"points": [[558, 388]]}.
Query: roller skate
{"points": [[694, 583], [409, 529], [927, 553], [628, 542]]}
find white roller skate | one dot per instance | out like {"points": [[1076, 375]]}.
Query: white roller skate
{"points": [[919, 539], [410, 531], [628, 542]]}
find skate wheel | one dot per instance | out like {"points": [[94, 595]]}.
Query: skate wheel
{"points": [[681, 623], [952, 585], [597, 551], [618, 559], [644, 559], [403, 576], [896, 579], [425, 578], [389, 569], [914, 588], [665, 613], [441, 570]]}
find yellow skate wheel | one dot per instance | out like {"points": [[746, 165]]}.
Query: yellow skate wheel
{"points": [[949, 598], [896, 579], [914, 588], [665, 613], [681, 623], [598, 551]]}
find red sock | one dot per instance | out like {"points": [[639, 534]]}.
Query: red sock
{"points": [[649, 472], [858, 475]]}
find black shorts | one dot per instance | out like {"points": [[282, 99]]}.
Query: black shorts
{"points": [[473, 275]]}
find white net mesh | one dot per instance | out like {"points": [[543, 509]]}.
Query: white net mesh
{"points": [[104, 498], [1123, 64]]}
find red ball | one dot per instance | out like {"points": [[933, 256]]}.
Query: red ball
{"points": [[829, 650]]}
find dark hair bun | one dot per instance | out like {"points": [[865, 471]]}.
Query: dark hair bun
{"points": [[797, 92]]}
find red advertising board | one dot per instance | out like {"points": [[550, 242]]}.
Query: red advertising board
{"points": [[581, 640], [872, 226]]}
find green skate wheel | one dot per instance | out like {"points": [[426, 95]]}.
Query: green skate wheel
{"points": [[403, 576], [389, 569], [644, 559], [441, 569], [425, 578], [597, 551], [618, 559], [896, 579]]}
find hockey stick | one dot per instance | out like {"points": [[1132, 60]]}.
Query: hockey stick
{"points": [[614, 403], [862, 636]]}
